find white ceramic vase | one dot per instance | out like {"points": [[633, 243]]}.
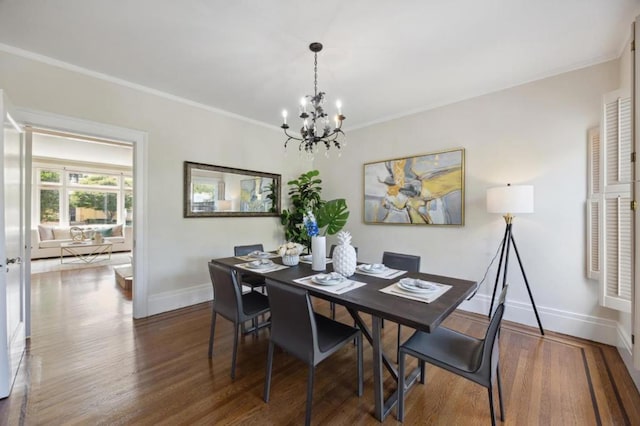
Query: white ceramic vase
{"points": [[318, 253], [291, 260]]}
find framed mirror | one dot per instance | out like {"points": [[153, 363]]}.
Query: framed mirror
{"points": [[216, 191]]}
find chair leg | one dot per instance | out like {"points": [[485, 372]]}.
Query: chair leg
{"points": [[423, 372], [493, 415], [213, 330], [400, 412], [500, 393], [332, 309], [360, 367], [267, 381], [398, 347], [236, 331], [307, 417]]}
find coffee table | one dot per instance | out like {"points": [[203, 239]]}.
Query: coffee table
{"points": [[95, 250]]}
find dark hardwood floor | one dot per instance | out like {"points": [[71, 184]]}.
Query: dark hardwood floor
{"points": [[88, 362]]}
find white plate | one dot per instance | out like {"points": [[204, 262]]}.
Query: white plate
{"points": [[328, 279], [416, 286], [306, 257], [259, 254], [374, 268], [260, 264]]}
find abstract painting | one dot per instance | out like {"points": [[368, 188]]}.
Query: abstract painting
{"points": [[422, 190], [253, 195]]}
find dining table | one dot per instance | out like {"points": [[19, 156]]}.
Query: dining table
{"points": [[374, 294]]}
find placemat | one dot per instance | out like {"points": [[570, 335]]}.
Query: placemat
{"points": [[389, 274], [395, 290], [275, 267], [248, 257], [328, 260], [341, 288]]}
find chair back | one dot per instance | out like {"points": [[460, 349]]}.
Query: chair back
{"points": [[227, 299], [404, 262], [490, 348], [293, 326], [245, 250]]}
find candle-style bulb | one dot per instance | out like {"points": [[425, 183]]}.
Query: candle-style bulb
{"points": [[303, 104], [284, 115], [339, 106]]}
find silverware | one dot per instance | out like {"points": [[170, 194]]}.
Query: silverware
{"points": [[351, 284]]}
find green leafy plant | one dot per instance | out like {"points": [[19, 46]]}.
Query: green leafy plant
{"points": [[332, 216], [305, 195], [271, 196]]}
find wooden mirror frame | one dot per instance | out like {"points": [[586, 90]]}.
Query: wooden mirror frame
{"points": [[227, 177]]}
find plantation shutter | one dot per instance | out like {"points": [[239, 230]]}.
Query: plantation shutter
{"points": [[616, 214], [594, 202]]}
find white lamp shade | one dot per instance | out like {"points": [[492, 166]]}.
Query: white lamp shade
{"points": [[510, 199]]}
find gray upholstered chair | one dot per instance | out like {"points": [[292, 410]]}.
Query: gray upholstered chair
{"points": [[308, 336], [230, 303], [405, 262], [469, 357], [250, 280]]}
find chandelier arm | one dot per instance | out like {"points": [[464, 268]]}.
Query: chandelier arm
{"points": [[291, 136]]}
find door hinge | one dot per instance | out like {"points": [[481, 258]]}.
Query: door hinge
{"points": [[633, 339], [633, 45], [633, 157], [634, 205]]}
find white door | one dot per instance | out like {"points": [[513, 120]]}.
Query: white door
{"points": [[12, 243]]}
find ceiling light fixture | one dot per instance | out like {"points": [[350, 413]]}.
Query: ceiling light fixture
{"points": [[316, 124]]}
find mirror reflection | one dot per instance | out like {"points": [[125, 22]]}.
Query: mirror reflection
{"points": [[211, 191]]}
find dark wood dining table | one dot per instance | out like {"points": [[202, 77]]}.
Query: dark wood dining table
{"points": [[370, 300]]}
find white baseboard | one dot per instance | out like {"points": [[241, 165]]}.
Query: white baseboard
{"points": [[624, 349], [176, 299], [578, 325]]}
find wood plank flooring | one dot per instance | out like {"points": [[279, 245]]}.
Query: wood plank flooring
{"points": [[88, 362]]}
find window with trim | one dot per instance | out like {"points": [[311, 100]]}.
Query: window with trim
{"points": [[79, 196]]}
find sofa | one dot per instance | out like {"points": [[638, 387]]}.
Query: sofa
{"points": [[46, 239]]}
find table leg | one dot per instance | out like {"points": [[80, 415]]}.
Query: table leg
{"points": [[378, 389], [382, 407]]}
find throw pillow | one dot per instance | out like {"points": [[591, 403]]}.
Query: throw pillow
{"points": [[45, 232], [61, 234], [106, 232], [116, 231]]}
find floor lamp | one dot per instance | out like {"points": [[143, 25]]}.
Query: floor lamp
{"points": [[508, 200]]}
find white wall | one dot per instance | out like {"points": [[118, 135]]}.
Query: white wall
{"points": [[535, 133], [52, 147], [530, 134], [178, 248]]}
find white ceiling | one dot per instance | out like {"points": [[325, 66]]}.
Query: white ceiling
{"points": [[383, 59]]}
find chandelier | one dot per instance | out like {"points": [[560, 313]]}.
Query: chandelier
{"points": [[316, 125]]}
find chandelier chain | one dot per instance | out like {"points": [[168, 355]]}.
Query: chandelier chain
{"points": [[315, 74]]}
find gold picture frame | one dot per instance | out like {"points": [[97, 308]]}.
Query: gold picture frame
{"points": [[426, 189]]}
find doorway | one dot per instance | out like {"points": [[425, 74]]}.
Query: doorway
{"points": [[100, 133], [82, 199]]}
